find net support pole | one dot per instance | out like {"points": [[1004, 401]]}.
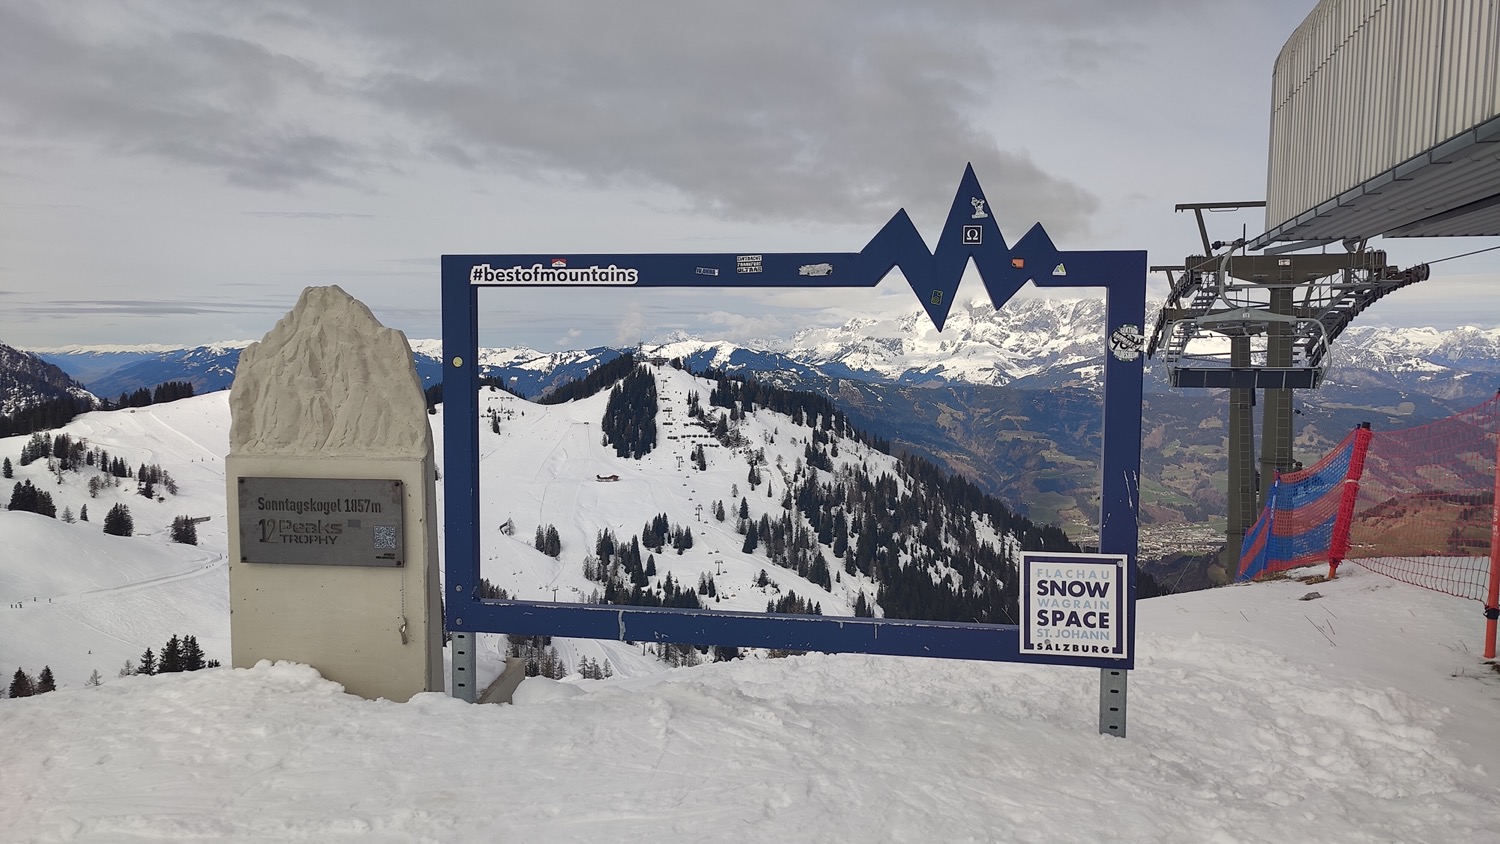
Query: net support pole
{"points": [[1338, 547], [1492, 597]]}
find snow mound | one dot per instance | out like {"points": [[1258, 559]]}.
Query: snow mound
{"points": [[1353, 724]]}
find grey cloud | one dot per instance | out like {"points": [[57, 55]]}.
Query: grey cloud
{"points": [[771, 111], [839, 111], [137, 307], [185, 95], [309, 215]]}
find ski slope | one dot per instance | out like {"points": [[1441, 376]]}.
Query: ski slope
{"points": [[543, 468], [540, 469], [88, 601]]}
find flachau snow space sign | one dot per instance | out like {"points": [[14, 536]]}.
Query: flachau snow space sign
{"points": [[1074, 605]]}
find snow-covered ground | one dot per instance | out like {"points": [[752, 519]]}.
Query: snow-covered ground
{"points": [[79, 601], [79, 605], [1364, 715]]}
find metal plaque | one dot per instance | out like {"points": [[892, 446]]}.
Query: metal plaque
{"points": [[321, 521]]}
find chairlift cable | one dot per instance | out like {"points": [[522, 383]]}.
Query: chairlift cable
{"points": [[1464, 255]]}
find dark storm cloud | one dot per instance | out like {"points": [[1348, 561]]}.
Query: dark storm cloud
{"points": [[768, 110]]}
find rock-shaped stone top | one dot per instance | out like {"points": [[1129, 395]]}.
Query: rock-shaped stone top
{"points": [[329, 381]]}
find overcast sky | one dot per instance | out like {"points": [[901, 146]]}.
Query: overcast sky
{"points": [[177, 172]]}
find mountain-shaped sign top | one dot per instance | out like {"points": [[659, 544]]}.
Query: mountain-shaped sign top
{"points": [[970, 233]]}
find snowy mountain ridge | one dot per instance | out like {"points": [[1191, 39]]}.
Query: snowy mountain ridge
{"points": [[979, 343], [982, 345], [26, 381], [217, 347], [1027, 339]]}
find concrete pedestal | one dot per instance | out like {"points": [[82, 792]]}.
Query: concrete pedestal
{"points": [[330, 393]]}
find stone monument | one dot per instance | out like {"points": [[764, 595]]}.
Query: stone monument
{"points": [[332, 506]]}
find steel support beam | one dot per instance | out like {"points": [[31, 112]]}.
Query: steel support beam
{"points": [[1276, 408], [1241, 444]]}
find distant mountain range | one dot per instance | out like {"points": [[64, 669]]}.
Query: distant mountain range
{"points": [[108, 371], [1029, 343], [27, 380], [1008, 398]]}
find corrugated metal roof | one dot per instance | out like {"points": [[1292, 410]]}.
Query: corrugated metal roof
{"points": [[1384, 121], [1450, 190]]}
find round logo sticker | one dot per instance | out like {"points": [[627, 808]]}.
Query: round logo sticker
{"points": [[1125, 343]]}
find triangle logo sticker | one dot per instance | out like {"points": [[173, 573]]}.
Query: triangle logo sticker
{"points": [[1060, 270]]}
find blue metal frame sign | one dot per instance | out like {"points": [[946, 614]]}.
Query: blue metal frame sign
{"points": [[970, 233]]}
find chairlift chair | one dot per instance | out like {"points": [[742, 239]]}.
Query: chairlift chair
{"points": [[1198, 351]]}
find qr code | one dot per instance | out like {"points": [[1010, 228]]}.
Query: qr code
{"points": [[385, 537]]}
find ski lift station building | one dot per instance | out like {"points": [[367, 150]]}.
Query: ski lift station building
{"points": [[1385, 120]]}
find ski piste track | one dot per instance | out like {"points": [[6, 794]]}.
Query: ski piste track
{"points": [[209, 562], [85, 606]]}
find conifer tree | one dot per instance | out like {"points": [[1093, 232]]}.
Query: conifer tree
{"points": [[21, 684], [94, 679], [171, 657], [83, 512], [629, 421], [184, 531], [5, 469], [192, 654], [117, 522], [148, 663], [45, 682], [862, 606]]}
